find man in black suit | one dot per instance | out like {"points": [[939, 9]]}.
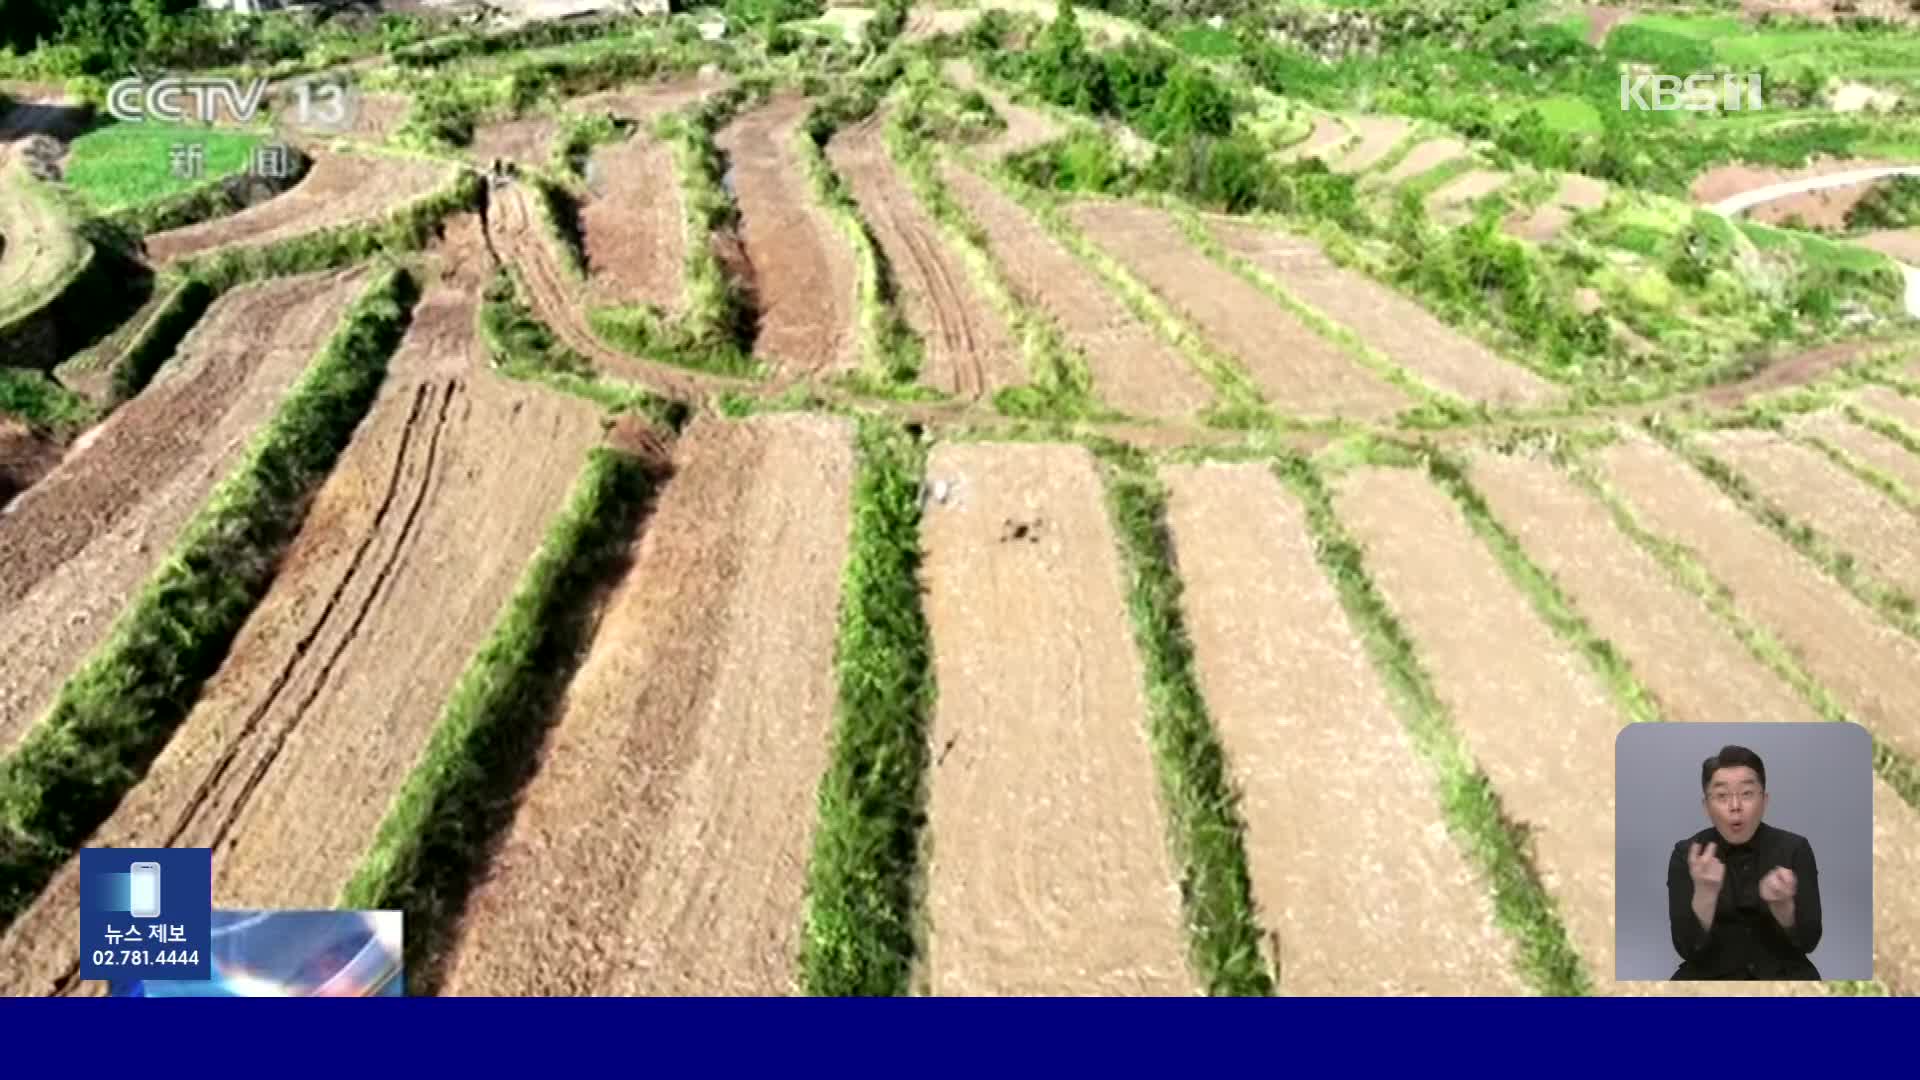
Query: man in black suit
{"points": [[1743, 897]]}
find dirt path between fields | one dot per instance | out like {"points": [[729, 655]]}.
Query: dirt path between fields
{"points": [[1866, 664], [1837, 504], [1864, 445], [1133, 370], [969, 350], [803, 269], [521, 241], [1049, 871], [1499, 669], [76, 546], [340, 189], [1321, 761], [1296, 369], [1694, 667], [633, 228], [662, 847], [1027, 127], [1408, 334]]}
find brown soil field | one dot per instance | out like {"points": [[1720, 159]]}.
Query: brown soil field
{"points": [[1133, 369], [632, 227], [970, 350], [25, 457], [1327, 134], [1049, 872], [1899, 243], [1378, 136], [338, 190], [1797, 369], [519, 239], [1889, 404], [1544, 222], [1865, 663], [1427, 155], [1499, 669], [1465, 189], [526, 140], [662, 847], [1694, 667], [1821, 208], [288, 761], [77, 545], [802, 266], [1296, 368], [1836, 503], [1026, 127], [1321, 760], [1407, 333], [1602, 22], [379, 116], [1864, 445]]}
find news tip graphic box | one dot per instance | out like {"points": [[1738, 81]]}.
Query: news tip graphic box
{"points": [[1818, 785], [293, 954], [146, 913]]}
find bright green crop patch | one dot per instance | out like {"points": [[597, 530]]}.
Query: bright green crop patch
{"points": [[124, 165]]}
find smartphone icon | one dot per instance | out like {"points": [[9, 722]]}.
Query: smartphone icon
{"points": [[146, 890]]}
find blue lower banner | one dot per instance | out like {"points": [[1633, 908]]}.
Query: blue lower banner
{"points": [[292, 954]]}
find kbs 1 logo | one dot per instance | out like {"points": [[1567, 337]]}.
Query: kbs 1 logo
{"points": [[320, 105], [1695, 93]]}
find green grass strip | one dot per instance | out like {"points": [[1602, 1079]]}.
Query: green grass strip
{"points": [[39, 400], [120, 708], [1497, 845], [1206, 831], [1885, 483], [1901, 772], [1893, 604], [160, 338], [435, 838], [560, 214], [862, 882]]}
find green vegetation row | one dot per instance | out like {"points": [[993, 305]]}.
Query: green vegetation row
{"points": [[38, 400], [863, 878], [713, 330], [213, 199], [1205, 828], [434, 840], [119, 709], [155, 342]]}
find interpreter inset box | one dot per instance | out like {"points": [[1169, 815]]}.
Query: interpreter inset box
{"points": [[293, 954], [1743, 851], [145, 913]]}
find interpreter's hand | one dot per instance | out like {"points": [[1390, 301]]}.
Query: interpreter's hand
{"points": [[1708, 872], [1778, 886]]}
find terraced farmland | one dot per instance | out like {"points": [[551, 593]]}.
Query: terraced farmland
{"points": [[763, 542]]}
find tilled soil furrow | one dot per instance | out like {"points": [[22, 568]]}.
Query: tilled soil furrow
{"points": [[1299, 370], [1321, 761], [1864, 445], [662, 846], [1133, 370], [1049, 869], [1838, 504], [1500, 669], [83, 540], [632, 228], [1890, 404], [804, 273], [1692, 664], [330, 691], [340, 188], [1869, 666], [1378, 137], [970, 350], [1407, 333]]}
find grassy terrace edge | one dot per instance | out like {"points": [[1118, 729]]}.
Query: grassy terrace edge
{"points": [[1205, 828], [1492, 841], [115, 713], [437, 831], [859, 936]]}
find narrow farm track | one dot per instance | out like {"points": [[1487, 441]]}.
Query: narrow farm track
{"points": [[631, 225], [1695, 668], [662, 846], [1862, 444], [1402, 330], [1297, 369], [1836, 503], [1133, 369], [1321, 761], [1049, 869], [340, 189], [1499, 669], [83, 540], [1868, 665], [970, 351], [803, 268], [520, 241]]}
